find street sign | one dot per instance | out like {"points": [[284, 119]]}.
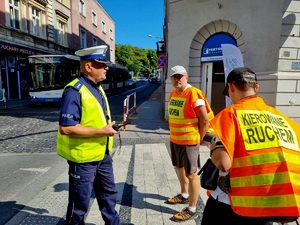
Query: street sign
{"points": [[162, 61]]}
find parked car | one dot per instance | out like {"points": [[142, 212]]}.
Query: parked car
{"points": [[131, 83], [143, 79], [152, 78]]}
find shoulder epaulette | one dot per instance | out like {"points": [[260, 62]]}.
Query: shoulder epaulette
{"points": [[78, 85]]}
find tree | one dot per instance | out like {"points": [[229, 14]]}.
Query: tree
{"points": [[141, 61]]}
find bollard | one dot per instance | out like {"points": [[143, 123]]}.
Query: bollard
{"points": [[4, 98], [127, 109], [134, 103], [125, 113]]}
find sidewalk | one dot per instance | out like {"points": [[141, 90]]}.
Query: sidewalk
{"points": [[150, 175], [144, 177], [13, 104]]}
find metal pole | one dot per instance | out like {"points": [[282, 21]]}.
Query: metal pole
{"points": [[134, 106], [124, 111]]}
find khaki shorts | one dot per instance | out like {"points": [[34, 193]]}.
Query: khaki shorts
{"points": [[186, 156]]}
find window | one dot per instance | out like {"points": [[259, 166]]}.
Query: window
{"points": [[82, 38], [61, 36], [103, 27], [95, 41], [111, 34], [62, 33], [82, 7], [37, 16], [94, 18], [36, 22], [14, 8]]}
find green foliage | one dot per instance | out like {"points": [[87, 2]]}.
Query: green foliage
{"points": [[141, 61]]}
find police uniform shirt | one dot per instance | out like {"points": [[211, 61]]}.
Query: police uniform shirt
{"points": [[71, 103]]}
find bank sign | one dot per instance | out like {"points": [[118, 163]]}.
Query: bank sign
{"points": [[212, 50], [18, 49]]}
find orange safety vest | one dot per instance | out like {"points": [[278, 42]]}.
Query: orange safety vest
{"points": [[183, 120], [263, 145]]}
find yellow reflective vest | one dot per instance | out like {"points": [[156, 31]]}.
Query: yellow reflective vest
{"points": [[263, 145], [183, 120], [86, 149]]}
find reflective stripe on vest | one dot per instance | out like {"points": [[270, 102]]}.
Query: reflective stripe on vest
{"points": [[86, 149], [265, 172], [183, 121], [274, 192]]}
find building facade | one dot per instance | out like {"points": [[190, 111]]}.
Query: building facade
{"points": [[29, 27], [266, 34], [92, 26]]}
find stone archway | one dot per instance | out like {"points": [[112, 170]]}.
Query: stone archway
{"points": [[214, 27]]}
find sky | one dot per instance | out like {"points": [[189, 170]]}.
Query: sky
{"points": [[135, 20]]}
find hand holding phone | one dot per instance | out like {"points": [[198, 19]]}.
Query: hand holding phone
{"points": [[116, 127]]}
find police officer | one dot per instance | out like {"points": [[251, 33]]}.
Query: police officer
{"points": [[256, 150], [85, 139]]}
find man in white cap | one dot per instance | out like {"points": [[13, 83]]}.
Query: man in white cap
{"points": [[189, 115], [85, 139]]}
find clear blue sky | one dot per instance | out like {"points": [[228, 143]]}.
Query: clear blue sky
{"points": [[135, 20]]}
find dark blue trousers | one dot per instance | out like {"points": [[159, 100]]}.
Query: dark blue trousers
{"points": [[83, 178]]}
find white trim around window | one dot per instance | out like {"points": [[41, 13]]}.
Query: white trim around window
{"points": [[94, 18]]}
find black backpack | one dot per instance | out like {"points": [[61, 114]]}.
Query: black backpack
{"points": [[209, 175]]}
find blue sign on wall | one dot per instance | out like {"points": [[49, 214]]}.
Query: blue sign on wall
{"points": [[19, 49], [212, 51]]}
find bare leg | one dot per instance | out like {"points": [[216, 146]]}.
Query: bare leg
{"points": [[194, 188], [183, 180]]}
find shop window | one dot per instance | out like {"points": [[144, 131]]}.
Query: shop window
{"points": [[3, 82]]}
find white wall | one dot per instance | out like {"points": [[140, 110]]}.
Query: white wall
{"points": [[267, 34]]}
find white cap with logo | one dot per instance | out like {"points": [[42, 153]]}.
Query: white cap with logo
{"points": [[178, 70], [97, 53]]}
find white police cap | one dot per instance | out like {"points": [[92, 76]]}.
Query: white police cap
{"points": [[97, 53]]}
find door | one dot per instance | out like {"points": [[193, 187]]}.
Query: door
{"points": [[213, 83], [218, 83], [13, 81]]}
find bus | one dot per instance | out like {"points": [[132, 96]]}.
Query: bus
{"points": [[48, 75], [116, 79]]}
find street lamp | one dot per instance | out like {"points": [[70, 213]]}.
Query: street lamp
{"points": [[151, 36], [160, 45]]}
